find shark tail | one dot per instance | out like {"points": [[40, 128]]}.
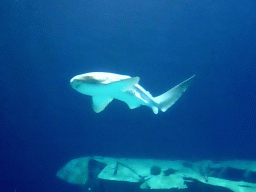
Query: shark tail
{"points": [[167, 99]]}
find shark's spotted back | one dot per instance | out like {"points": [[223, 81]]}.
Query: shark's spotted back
{"points": [[104, 87]]}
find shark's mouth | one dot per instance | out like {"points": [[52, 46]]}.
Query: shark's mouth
{"points": [[75, 84]]}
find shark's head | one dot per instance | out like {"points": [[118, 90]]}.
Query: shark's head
{"points": [[83, 79], [84, 83]]}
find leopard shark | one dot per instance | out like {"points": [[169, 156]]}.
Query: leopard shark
{"points": [[104, 87]]}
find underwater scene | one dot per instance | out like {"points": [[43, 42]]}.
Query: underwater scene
{"points": [[128, 96]]}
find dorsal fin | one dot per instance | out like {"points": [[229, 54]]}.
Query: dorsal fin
{"points": [[123, 85]]}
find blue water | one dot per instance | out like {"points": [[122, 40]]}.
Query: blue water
{"points": [[45, 123]]}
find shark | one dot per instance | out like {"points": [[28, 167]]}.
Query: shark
{"points": [[105, 86]]}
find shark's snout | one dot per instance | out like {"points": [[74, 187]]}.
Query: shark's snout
{"points": [[75, 83]]}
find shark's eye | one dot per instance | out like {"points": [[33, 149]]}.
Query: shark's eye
{"points": [[91, 80]]}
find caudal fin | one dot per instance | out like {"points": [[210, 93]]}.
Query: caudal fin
{"points": [[167, 99]]}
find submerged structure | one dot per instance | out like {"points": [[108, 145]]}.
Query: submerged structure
{"points": [[236, 176]]}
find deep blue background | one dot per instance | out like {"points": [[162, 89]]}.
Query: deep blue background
{"points": [[45, 123]]}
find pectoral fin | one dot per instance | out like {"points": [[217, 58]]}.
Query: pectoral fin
{"points": [[99, 103]]}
